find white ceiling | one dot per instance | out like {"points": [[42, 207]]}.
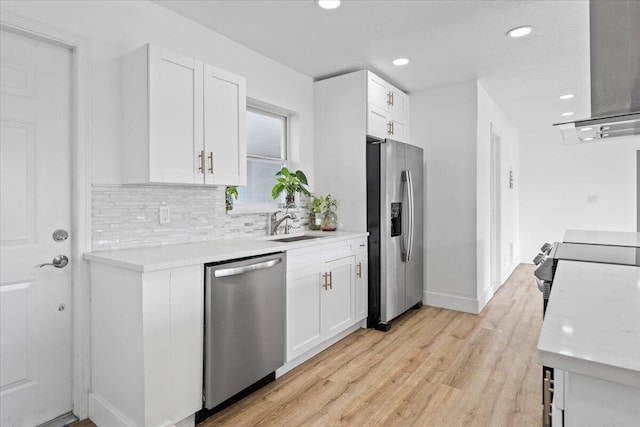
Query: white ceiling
{"points": [[447, 41]]}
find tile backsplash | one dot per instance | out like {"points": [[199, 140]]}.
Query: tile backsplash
{"points": [[127, 216]]}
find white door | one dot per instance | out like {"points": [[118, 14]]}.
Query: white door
{"points": [[339, 303], [378, 94], [377, 122], [496, 210], [399, 105], [175, 118], [225, 109], [35, 303], [304, 310]]}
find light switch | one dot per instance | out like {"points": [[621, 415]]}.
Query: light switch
{"points": [[165, 215], [592, 198]]}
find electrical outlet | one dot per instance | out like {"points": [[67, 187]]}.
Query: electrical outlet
{"points": [[165, 215]]}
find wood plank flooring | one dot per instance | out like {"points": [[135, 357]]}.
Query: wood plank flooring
{"points": [[435, 367]]}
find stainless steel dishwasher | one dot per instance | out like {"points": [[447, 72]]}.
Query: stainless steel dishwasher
{"points": [[244, 325]]}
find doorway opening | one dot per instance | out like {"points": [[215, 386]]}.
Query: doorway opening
{"points": [[496, 209]]}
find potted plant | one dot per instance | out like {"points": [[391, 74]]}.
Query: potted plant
{"points": [[230, 192], [291, 183], [315, 210], [329, 217]]}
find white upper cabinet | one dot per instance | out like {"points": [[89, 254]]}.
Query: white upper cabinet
{"points": [[183, 120], [224, 127], [387, 110]]}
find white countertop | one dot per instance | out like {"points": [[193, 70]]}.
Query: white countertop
{"points": [[172, 256], [592, 323], [613, 238]]}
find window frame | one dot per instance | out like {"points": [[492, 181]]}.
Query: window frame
{"points": [[241, 207]]}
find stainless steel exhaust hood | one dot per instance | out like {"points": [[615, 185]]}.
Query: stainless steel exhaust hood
{"points": [[615, 74]]}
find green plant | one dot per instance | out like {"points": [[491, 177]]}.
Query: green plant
{"points": [[230, 192], [316, 204], [291, 183], [330, 204]]}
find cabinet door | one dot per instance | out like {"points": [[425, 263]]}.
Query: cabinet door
{"points": [[377, 122], [304, 315], [224, 127], [362, 287], [398, 131], [378, 94], [175, 117], [339, 297], [398, 105]]}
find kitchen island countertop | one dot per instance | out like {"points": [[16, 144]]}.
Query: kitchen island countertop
{"points": [[609, 238], [592, 323], [172, 256]]}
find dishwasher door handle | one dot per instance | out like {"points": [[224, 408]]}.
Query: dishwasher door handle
{"points": [[234, 271]]}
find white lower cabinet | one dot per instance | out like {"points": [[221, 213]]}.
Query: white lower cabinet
{"points": [[322, 293], [590, 401], [338, 292], [304, 310], [146, 345]]}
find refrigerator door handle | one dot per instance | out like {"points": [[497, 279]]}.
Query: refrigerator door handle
{"points": [[411, 215], [406, 230]]}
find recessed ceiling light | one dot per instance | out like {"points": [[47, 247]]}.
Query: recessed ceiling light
{"points": [[587, 139], [519, 31], [568, 113], [567, 96], [585, 129], [329, 4], [400, 61]]}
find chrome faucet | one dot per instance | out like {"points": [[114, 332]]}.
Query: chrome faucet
{"points": [[274, 222]]}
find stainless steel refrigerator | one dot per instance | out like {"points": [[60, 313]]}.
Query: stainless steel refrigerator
{"points": [[394, 220]]}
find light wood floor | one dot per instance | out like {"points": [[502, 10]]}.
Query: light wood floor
{"points": [[435, 367]]}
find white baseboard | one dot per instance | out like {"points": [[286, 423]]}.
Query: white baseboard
{"points": [[485, 297], [451, 302], [104, 415], [190, 421], [319, 348], [509, 270]]}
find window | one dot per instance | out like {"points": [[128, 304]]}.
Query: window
{"points": [[266, 154]]}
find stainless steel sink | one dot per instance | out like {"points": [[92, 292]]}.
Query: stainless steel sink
{"points": [[296, 238]]}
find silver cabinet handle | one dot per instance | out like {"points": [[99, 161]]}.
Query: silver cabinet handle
{"points": [[59, 261], [246, 269], [201, 161]]}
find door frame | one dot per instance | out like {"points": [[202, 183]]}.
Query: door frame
{"points": [[80, 192], [496, 206]]}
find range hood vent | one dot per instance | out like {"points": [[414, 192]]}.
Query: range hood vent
{"points": [[614, 31]]}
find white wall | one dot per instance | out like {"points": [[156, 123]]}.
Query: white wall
{"points": [[452, 123], [557, 179], [114, 28], [443, 123], [490, 114]]}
